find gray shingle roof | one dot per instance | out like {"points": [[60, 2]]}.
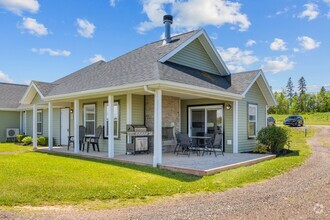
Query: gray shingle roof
{"points": [[11, 94], [44, 87], [136, 66]]}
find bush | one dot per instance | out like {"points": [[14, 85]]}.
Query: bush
{"points": [[20, 137], [275, 138], [42, 141], [261, 148], [27, 140]]}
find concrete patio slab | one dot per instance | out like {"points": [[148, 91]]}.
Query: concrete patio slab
{"points": [[196, 165]]}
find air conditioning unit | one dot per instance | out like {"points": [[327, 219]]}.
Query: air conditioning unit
{"points": [[12, 132]]}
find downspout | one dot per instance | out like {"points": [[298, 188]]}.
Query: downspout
{"points": [[146, 89]]}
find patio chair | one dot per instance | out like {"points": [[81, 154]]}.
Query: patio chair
{"points": [[215, 145], [184, 144], [94, 140], [82, 133]]}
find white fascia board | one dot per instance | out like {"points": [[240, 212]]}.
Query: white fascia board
{"points": [[32, 85], [216, 52], [157, 83], [176, 50], [260, 73], [10, 109]]}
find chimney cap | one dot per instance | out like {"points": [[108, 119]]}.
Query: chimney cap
{"points": [[168, 18]]}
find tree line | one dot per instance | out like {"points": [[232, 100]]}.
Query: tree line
{"points": [[290, 101]]}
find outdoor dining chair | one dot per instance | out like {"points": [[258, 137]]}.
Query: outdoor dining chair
{"points": [[94, 140], [184, 144], [82, 133], [215, 145]]}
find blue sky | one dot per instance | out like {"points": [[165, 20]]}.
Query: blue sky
{"points": [[45, 40]]}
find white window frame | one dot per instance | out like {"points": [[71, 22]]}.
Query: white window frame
{"points": [[255, 121], [40, 121], [116, 120], [93, 120]]}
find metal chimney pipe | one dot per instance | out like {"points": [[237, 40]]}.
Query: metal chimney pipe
{"points": [[168, 20]]}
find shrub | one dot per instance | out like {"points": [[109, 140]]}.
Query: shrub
{"points": [[275, 138], [27, 140], [261, 148], [42, 141], [20, 137]]}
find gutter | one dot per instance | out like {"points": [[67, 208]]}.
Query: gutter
{"points": [[146, 89]]}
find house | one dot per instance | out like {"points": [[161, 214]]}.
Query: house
{"points": [[180, 82]]}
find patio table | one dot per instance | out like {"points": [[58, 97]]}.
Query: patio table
{"points": [[201, 146]]}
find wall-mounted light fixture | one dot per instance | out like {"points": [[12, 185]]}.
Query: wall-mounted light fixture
{"points": [[228, 106], [71, 110]]}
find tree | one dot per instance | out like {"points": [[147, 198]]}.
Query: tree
{"points": [[322, 100], [290, 90], [302, 86]]}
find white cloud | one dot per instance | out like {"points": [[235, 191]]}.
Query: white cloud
{"points": [[237, 60], [278, 64], [308, 43], [95, 58], [27, 82], [192, 14], [296, 50], [51, 52], [33, 27], [311, 11], [214, 36], [19, 6], [113, 3], [278, 45], [85, 28], [5, 78], [317, 88], [250, 43]]}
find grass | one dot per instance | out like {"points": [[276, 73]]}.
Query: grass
{"points": [[38, 179], [319, 118], [11, 148]]}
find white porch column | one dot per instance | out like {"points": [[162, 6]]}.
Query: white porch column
{"points": [[111, 139], [266, 115], [50, 125], [76, 126], [129, 113], [20, 122], [34, 127], [157, 128], [235, 126]]}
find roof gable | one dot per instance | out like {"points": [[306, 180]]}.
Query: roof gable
{"points": [[11, 94], [198, 52]]}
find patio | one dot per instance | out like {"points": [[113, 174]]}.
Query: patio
{"points": [[196, 165]]}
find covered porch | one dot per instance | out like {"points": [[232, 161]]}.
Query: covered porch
{"points": [[196, 165]]}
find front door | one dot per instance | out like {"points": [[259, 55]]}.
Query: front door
{"points": [[65, 125]]}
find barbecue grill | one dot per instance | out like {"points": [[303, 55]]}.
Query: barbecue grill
{"points": [[137, 139]]}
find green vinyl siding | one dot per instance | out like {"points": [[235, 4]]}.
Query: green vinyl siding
{"points": [[195, 56], [253, 96], [8, 119], [137, 118], [227, 114]]}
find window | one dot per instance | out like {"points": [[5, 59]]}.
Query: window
{"points": [[116, 120], [39, 122], [89, 119], [252, 120]]}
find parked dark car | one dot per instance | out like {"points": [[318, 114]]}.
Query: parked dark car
{"points": [[294, 120], [271, 121]]}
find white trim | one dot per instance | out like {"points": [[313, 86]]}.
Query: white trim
{"points": [[10, 109], [76, 125], [127, 88], [260, 73], [34, 127], [179, 115], [183, 45], [129, 108], [28, 91], [157, 159], [20, 122], [90, 120], [105, 118], [266, 114], [50, 125], [111, 140], [256, 120], [40, 122], [235, 126]]}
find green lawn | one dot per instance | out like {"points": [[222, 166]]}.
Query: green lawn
{"points": [[320, 118], [33, 178], [11, 148]]}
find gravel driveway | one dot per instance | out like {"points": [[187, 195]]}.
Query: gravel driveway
{"points": [[303, 193]]}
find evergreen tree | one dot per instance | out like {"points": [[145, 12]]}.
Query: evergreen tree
{"points": [[290, 90], [302, 86], [302, 94], [322, 100]]}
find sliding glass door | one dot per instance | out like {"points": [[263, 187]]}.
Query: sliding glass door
{"points": [[205, 120]]}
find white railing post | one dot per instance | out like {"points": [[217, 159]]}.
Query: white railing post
{"points": [[111, 139], [34, 127], [50, 125], [76, 126]]}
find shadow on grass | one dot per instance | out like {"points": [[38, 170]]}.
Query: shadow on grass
{"points": [[151, 170], [289, 153]]}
